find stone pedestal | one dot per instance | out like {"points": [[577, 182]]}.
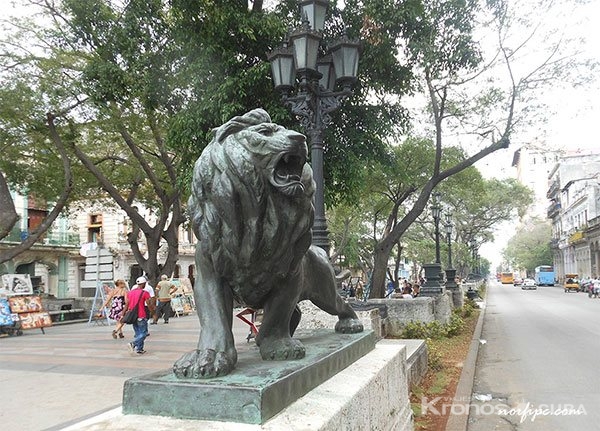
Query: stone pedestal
{"points": [[457, 296], [433, 285], [256, 390], [370, 394]]}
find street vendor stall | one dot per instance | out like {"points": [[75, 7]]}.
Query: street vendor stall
{"points": [[19, 308]]}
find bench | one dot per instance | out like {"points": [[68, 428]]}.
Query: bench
{"points": [[70, 315]]}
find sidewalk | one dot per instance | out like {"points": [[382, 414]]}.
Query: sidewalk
{"points": [[77, 371]]}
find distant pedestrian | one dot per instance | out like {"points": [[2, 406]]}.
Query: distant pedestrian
{"points": [[118, 304], [390, 289], [164, 290], [137, 297], [359, 289]]}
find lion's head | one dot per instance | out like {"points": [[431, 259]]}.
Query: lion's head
{"points": [[251, 201]]}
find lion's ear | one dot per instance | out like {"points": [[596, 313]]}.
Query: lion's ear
{"points": [[252, 118]]}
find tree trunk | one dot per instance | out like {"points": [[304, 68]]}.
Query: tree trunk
{"points": [[8, 214], [379, 271]]}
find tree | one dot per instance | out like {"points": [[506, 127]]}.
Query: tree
{"points": [[477, 205], [530, 246], [455, 77], [101, 78], [133, 90]]}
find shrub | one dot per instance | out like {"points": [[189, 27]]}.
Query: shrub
{"points": [[433, 330], [434, 357], [455, 326], [471, 304]]}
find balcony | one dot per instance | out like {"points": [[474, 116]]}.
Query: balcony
{"points": [[553, 210], [52, 238], [553, 189], [576, 237], [594, 222]]}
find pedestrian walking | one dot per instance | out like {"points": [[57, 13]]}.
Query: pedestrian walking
{"points": [[118, 304], [137, 297], [164, 290]]}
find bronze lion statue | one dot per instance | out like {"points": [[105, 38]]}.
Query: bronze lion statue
{"points": [[251, 208]]}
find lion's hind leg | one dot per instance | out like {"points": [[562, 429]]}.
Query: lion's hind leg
{"points": [[280, 319], [322, 291]]}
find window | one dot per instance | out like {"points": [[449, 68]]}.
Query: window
{"points": [[95, 228]]}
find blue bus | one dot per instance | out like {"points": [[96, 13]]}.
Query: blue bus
{"points": [[544, 275]]}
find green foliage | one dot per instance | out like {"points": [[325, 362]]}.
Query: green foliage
{"points": [[530, 246], [469, 307], [456, 323], [433, 330], [435, 359]]}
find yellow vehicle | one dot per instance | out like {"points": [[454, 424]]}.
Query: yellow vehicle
{"points": [[507, 278], [571, 282]]}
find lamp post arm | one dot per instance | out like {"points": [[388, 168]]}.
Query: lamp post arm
{"points": [[314, 105]]}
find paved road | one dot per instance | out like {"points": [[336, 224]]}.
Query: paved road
{"points": [[542, 351], [76, 371]]}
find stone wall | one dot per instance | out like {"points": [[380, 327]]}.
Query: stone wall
{"points": [[400, 312], [371, 394], [315, 318]]}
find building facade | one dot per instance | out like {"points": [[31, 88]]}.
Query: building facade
{"points": [[57, 263], [53, 260], [574, 210]]}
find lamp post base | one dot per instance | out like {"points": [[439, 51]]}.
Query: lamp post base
{"points": [[433, 285], [457, 295]]}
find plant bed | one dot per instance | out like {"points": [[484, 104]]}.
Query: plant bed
{"points": [[448, 346]]}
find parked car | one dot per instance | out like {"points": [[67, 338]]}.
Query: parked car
{"points": [[529, 284]]}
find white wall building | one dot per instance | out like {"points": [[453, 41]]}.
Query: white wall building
{"points": [[57, 263], [574, 194]]}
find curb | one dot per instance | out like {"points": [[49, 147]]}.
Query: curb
{"points": [[459, 416]]}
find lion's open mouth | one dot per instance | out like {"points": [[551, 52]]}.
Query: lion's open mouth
{"points": [[288, 172]]}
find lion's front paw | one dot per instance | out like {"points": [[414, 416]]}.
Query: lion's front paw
{"points": [[349, 326], [281, 349], [203, 364]]}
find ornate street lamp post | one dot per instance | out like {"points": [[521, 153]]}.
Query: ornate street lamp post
{"points": [[436, 212], [449, 227], [475, 256], [457, 296], [433, 271], [296, 66]]}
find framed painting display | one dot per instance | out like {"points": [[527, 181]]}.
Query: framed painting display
{"points": [[16, 284], [25, 304], [35, 320], [6, 316]]}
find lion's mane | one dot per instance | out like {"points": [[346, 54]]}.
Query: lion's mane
{"points": [[252, 231]]}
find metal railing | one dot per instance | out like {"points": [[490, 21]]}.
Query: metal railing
{"points": [[53, 238]]}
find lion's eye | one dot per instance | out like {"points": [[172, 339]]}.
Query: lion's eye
{"points": [[266, 131]]}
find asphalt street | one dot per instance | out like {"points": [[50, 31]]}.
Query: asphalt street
{"points": [[537, 367], [73, 372]]}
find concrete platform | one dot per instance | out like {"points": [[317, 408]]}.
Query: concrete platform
{"points": [[77, 372], [256, 390], [370, 394]]}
